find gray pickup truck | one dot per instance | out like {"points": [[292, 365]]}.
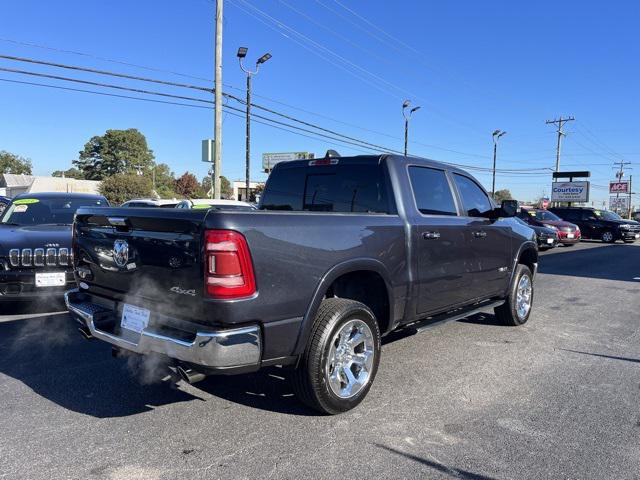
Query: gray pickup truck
{"points": [[341, 251]]}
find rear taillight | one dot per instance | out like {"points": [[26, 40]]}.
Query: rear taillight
{"points": [[228, 266]]}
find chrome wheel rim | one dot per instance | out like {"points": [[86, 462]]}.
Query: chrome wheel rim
{"points": [[350, 359], [607, 236], [523, 297]]}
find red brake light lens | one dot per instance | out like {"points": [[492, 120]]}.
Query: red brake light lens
{"points": [[228, 265]]}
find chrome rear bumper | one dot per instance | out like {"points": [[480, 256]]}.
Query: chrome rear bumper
{"points": [[218, 349]]}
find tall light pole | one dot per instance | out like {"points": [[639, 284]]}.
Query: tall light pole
{"points": [[242, 53], [217, 116], [496, 136], [407, 117]]}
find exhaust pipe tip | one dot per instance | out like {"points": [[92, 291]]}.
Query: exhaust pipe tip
{"points": [[189, 375], [85, 332]]}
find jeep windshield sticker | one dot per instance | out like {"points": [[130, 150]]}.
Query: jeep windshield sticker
{"points": [[20, 208], [25, 201]]}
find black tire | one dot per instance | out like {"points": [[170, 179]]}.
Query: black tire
{"points": [[507, 312], [608, 237], [308, 380]]}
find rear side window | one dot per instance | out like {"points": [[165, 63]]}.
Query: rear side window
{"points": [[431, 191], [342, 188], [474, 201]]}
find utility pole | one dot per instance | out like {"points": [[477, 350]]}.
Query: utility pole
{"points": [[407, 117], [620, 174], [217, 129], [630, 193], [560, 122], [496, 136], [242, 53]]}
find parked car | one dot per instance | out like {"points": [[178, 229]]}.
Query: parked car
{"points": [[568, 233], [600, 224], [150, 203], [636, 216], [35, 244], [340, 252], [206, 203], [547, 238], [4, 202]]}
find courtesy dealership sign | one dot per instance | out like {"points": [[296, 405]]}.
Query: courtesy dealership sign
{"points": [[570, 192]]}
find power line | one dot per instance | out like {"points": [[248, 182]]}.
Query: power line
{"points": [[145, 79], [317, 45], [209, 90], [150, 92], [154, 69], [152, 100]]}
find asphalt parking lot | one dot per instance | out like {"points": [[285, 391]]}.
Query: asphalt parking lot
{"points": [[557, 398]]}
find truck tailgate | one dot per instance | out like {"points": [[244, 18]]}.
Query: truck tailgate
{"points": [[151, 258]]}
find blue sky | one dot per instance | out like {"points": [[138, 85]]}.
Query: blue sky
{"points": [[346, 65]]}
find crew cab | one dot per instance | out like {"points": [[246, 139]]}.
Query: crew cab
{"points": [[341, 251], [35, 244]]}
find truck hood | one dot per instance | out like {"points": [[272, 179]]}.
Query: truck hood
{"points": [[34, 236]]}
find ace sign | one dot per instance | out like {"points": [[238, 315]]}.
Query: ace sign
{"points": [[618, 187]]}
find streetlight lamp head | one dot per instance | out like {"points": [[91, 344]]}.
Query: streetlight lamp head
{"points": [[406, 103], [415, 109], [242, 52], [501, 134], [496, 132], [263, 58]]}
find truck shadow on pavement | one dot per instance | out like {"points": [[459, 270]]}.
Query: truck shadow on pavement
{"points": [[606, 262], [48, 355]]}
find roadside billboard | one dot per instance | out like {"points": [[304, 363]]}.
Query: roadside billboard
{"points": [[618, 187], [570, 192], [270, 160], [619, 203]]}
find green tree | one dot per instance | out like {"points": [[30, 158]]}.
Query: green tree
{"points": [[225, 186], [188, 186], [11, 163], [115, 152], [501, 195], [70, 173], [124, 186]]}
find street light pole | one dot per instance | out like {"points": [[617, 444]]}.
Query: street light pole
{"points": [[242, 53], [217, 129], [407, 117], [496, 136]]}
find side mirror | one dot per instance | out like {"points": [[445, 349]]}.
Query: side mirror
{"points": [[509, 208]]}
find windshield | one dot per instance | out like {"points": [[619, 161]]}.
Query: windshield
{"points": [[543, 215], [42, 211], [606, 215]]}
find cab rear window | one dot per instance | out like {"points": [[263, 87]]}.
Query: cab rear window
{"points": [[332, 188]]}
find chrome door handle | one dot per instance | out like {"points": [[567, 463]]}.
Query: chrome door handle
{"points": [[480, 234], [430, 235]]}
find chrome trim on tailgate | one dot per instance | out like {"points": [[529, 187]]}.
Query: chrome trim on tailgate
{"points": [[216, 349]]}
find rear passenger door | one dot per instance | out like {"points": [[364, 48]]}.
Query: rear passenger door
{"points": [[490, 240], [438, 236]]}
